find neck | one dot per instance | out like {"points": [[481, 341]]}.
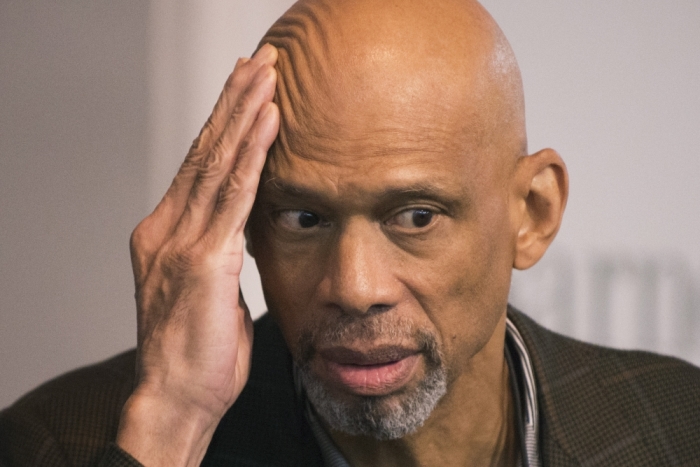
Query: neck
{"points": [[474, 423]]}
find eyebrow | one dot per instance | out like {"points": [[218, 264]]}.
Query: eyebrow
{"points": [[276, 187]]}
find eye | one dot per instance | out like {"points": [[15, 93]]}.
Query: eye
{"points": [[413, 218], [294, 219]]}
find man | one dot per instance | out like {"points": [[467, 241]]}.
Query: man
{"points": [[374, 155]]}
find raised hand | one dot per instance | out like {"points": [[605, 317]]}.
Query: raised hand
{"points": [[194, 329]]}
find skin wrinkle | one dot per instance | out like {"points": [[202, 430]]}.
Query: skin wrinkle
{"points": [[303, 39], [300, 27], [375, 94]]}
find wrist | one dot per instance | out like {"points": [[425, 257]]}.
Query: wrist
{"points": [[158, 431]]}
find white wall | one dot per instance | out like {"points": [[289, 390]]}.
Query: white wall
{"points": [[100, 100], [615, 87], [73, 182]]}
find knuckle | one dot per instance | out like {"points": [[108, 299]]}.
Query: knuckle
{"points": [[215, 159], [139, 241], [141, 249], [208, 171], [189, 263], [232, 78], [189, 165], [192, 163], [241, 106], [137, 237], [234, 183], [174, 262], [198, 148], [235, 188], [236, 79], [197, 145]]}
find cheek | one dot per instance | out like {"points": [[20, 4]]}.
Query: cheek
{"points": [[464, 288], [289, 280]]}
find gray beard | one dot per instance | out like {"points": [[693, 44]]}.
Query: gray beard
{"points": [[381, 417]]}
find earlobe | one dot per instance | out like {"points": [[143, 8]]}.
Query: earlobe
{"points": [[545, 188]]}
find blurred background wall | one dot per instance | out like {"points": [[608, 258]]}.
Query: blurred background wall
{"points": [[74, 96], [100, 100]]}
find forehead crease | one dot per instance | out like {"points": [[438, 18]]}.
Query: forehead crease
{"points": [[387, 146], [400, 142], [304, 65], [326, 79], [301, 31], [324, 185]]}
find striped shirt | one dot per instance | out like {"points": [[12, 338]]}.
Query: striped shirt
{"points": [[523, 384]]}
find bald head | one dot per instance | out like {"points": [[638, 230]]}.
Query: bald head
{"points": [[395, 200], [389, 72]]}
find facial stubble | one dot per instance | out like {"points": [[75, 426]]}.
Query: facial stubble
{"points": [[382, 417]]}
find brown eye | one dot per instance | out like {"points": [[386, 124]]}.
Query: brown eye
{"points": [[297, 219], [413, 218]]}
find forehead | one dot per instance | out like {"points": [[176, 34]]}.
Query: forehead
{"points": [[365, 173], [369, 88], [373, 137], [354, 68], [367, 163], [373, 122], [382, 107]]}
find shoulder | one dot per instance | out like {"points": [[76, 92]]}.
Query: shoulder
{"points": [[622, 406], [70, 419]]}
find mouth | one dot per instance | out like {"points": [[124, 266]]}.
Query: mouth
{"points": [[375, 372]]}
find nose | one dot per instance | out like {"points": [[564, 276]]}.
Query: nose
{"points": [[360, 276]]}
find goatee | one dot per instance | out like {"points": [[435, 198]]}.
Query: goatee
{"points": [[382, 417]]}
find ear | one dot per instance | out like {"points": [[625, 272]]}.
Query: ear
{"points": [[542, 189]]}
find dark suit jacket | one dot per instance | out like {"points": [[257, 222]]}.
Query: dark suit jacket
{"points": [[598, 407]]}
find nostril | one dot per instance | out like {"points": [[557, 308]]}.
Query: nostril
{"points": [[378, 308]]}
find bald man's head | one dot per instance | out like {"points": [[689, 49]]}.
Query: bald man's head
{"points": [[388, 71], [394, 205]]}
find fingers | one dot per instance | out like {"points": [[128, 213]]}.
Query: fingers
{"points": [[238, 191], [224, 154], [171, 207], [194, 341]]}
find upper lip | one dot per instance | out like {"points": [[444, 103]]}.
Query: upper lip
{"points": [[374, 356]]}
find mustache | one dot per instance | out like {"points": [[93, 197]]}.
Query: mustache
{"points": [[343, 330]]}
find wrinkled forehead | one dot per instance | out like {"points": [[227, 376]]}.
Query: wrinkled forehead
{"points": [[374, 74]]}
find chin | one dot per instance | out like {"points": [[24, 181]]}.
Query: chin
{"points": [[383, 417]]}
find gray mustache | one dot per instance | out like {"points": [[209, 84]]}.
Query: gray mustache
{"points": [[342, 331]]}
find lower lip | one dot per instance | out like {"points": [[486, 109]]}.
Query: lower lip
{"points": [[373, 380]]}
